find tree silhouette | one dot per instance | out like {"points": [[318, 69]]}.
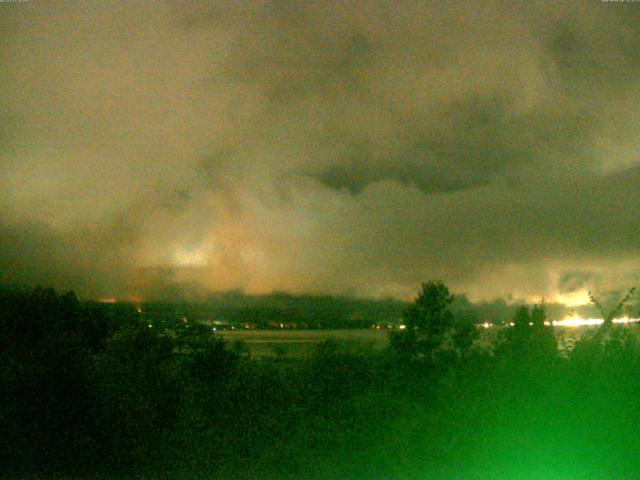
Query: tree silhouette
{"points": [[608, 341], [522, 319], [430, 326], [614, 313], [530, 337]]}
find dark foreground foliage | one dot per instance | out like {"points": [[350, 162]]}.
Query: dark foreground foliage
{"points": [[92, 392]]}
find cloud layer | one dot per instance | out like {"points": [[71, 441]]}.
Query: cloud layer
{"points": [[163, 150]]}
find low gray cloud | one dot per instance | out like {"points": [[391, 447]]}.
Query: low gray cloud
{"points": [[472, 143], [573, 281]]}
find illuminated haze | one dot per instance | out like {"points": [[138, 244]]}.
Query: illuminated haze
{"points": [[163, 150]]}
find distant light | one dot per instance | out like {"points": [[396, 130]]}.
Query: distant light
{"points": [[589, 322], [214, 329], [570, 322], [625, 320], [578, 322], [402, 327], [150, 325], [107, 300]]}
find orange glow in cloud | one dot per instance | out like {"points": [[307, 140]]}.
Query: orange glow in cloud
{"points": [[107, 300]]}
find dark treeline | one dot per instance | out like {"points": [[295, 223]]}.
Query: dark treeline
{"points": [[90, 390], [328, 312], [269, 311]]}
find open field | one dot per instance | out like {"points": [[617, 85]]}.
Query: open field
{"points": [[302, 343]]}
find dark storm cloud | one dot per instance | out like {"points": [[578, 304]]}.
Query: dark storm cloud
{"points": [[324, 147], [94, 262], [32, 252], [471, 143], [572, 281]]}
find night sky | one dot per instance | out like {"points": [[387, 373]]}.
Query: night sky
{"points": [[163, 150]]}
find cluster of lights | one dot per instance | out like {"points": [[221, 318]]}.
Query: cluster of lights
{"points": [[573, 322], [590, 322]]}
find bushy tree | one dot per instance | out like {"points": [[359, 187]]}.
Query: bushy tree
{"points": [[614, 313], [522, 319], [529, 336], [609, 341], [431, 330]]}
